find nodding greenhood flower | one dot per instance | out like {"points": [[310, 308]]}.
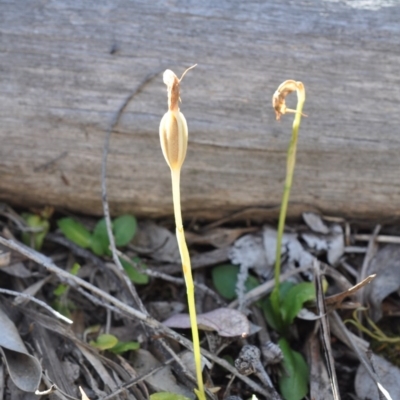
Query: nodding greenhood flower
{"points": [[173, 126]]}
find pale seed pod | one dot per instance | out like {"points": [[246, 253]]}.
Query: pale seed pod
{"points": [[174, 138], [173, 126]]}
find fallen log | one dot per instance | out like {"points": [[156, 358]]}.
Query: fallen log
{"points": [[67, 67]]}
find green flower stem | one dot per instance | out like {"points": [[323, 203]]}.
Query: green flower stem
{"points": [[291, 162], [187, 273]]}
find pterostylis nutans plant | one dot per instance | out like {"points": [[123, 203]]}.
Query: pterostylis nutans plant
{"points": [[279, 105], [174, 138]]}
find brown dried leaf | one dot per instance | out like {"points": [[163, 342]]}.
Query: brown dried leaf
{"points": [[226, 321], [24, 369], [219, 237], [156, 241], [161, 381], [386, 265], [315, 222], [388, 376], [17, 269]]}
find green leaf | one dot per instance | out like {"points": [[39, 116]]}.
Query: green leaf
{"points": [[97, 246], [75, 231], [225, 277], [293, 301], [104, 342], [293, 383], [100, 243], [167, 396], [273, 320], [134, 275], [60, 289], [124, 228], [229, 358], [122, 347], [75, 269]]}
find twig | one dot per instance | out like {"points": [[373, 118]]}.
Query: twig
{"points": [[173, 279], [74, 281], [9, 213], [368, 256], [137, 380], [336, 300], [378, 238], [106, 210], [53, 388], [370, 252], [86, 254], [37, 301], [260, 291], [324, 325], [361, 356]]}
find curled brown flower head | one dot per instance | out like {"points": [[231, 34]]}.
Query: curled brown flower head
{"points": [[172, 82], [173, 87], [278, 99]]}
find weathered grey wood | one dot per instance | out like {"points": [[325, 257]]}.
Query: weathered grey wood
{"points": [[67, 66]]}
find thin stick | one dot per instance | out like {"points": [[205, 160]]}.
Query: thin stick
{"points": [[261, 290], [360, 354], [106, 210], [37, 301], [325, 331], [173, 279], [378, 239]]}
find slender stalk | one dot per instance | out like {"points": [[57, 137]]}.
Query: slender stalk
{"points": [[174, 139], [290, 165], [187, 273]]}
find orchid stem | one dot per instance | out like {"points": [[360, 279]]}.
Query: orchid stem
{"points": [[291, 162], [187, 273]]}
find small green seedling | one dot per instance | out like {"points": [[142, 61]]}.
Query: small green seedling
{"points": [[124, 229], [61, 303], [292, 299], [111, 343], [173, 139], [40, 225]]}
